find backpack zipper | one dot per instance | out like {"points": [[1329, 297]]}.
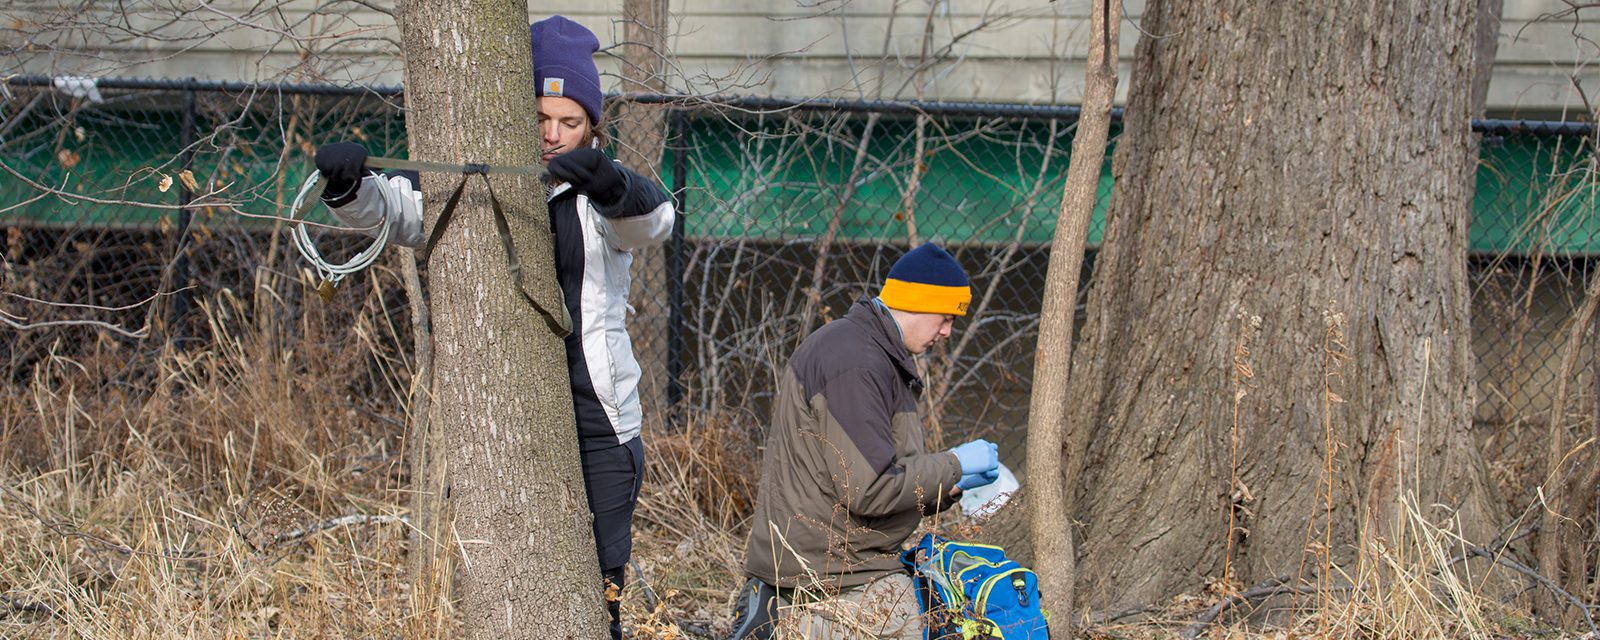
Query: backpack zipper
{"points": [[981, 607]]}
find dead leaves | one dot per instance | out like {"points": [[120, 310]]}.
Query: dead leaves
{"points": [[186, 177]]}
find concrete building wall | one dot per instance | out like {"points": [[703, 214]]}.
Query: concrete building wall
{"points": [[1000, 50]]}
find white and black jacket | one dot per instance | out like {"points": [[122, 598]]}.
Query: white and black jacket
{"points": [[593, 253]]}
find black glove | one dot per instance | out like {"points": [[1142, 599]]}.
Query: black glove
{"points": [[342, 163], [590, 172]]}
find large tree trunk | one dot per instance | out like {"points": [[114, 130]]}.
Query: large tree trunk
{"points": [[1276, 352], [501, 397], [641, 137]]}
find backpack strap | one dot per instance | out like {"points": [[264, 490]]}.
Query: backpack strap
{"points": [[908, 558], [925, 596]]}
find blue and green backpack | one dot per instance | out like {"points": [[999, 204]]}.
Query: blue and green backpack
{"points": [[974, 591]]}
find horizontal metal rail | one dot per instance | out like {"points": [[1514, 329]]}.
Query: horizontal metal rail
{"points": [[753, 104]]}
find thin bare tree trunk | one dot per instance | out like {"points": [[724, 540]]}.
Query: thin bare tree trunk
{"points": [[919, 167], [1556, 542], [1055, 558], [1584, 559], [1488, 39], [502, 400], [429, 562], [642, 128], [1590, 483], [641, 131]]}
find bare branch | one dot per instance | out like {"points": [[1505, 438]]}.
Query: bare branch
{"points": [[91, 306], [18, 603], [335, 523], [142, 332], [1555, 589]]}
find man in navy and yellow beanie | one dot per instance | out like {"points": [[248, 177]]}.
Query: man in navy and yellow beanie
{"points": [[927, 280], [845, 454]]}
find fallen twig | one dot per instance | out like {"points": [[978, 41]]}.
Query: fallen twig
{"points": [[1554, 588], [325, 525], [650, 599], [697, 628], [1104, 617], [14, 603], [341, 521], [1273, 587]]}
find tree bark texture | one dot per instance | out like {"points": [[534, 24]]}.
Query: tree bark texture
{"points": [[1055, 556], [501, 398], [641, 131], [1276, 351], [1488, 40]]}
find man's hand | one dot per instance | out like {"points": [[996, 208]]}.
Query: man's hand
{"points": [[978, 456], [591, 173], [973, 481], [343, 164]]}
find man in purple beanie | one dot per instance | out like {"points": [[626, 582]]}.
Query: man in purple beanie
{"points": [[599, 212]]}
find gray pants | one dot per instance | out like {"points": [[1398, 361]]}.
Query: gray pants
{"points": [[884, 608]]}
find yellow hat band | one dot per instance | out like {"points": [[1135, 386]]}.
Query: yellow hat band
{"points": [[918, 297]]}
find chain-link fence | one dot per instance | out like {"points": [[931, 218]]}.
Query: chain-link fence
{"points": [[793, 210]]}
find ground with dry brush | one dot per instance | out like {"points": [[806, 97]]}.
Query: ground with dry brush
{"points": [[256, 487]]}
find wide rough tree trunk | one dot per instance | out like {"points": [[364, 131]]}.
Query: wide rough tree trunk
{"points": [[1276, 352], [501, 397]]}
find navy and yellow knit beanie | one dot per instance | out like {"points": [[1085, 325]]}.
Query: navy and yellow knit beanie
{"points": [[927, 280], [563, 63]]}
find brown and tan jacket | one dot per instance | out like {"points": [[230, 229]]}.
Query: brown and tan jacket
{"points": [[847, 476]]}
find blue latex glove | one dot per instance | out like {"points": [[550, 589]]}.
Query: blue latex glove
{"points": [[976, 480], [978, 456]]}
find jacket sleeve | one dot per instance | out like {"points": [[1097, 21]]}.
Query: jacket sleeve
{"points": [[394, 198], [643, 217], [871, 478]]}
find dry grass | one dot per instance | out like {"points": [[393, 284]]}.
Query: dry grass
{"points": [[161, 510], [690, 527], [171, 507]]}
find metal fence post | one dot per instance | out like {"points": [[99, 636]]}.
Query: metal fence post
{"points": [[182, 301], [676, 260]]}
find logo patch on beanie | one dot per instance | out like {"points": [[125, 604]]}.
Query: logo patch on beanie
{"points": [[553, 86]]}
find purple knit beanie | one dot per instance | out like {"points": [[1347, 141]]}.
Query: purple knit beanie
{"points": [[563, 64]]}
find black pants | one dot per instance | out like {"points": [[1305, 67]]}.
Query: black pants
{"points": [[612, 477]]}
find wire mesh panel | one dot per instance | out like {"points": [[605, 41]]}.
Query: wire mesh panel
{"points": [[1534, 239], [792, 212], [141, 218], [793, 216]]}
